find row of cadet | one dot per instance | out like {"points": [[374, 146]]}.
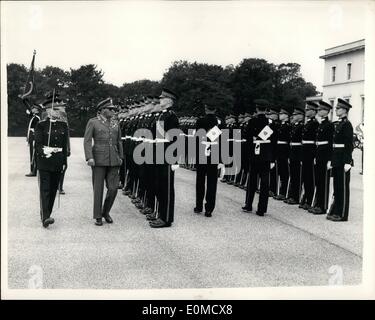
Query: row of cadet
{"points": [[294, 164]]}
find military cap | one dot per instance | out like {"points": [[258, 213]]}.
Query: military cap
{"points": [[274, 108], [261, 104], [286, 109], [324, 105], [341, 103], [299, 110], [106, 103], [57, 102], [311, 105], [166, 93]]}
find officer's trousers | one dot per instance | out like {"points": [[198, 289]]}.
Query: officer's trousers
{"points": [[341, 191], [211, 172], [308, 180], [283, 173], [295, 180], [111, 177], [164, 177], [259, 169], [48, 185], [322, 175], [150, 185], [61, 183], [274, 177]]}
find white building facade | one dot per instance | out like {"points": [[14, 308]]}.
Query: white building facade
{"points": [[344, 77]]}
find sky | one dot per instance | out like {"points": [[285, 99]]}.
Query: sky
{"points": [[131, 40]]}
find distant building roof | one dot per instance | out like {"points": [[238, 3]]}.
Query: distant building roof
{"points": [[344, 48]]}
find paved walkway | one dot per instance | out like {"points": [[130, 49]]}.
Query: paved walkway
{"points": [[287, 247]]}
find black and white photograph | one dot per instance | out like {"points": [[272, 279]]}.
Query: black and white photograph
{"points": [[187, 150]]}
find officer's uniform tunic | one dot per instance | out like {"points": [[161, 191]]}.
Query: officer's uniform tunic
{"points": [[31, 141]]}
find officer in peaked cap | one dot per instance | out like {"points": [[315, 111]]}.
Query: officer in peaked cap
{"points": [[308, 154], [341, 162], [282, 152], [324, 136], [261, 138], [104, 157], [51, 147], [166, 121], [295, 155]]}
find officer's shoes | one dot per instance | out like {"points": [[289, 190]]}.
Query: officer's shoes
{"points": [[30, 174], [247, 209], [208, 214], [337, 219], [99, 222], [224, 180], [108, 219], [126, 192], [197, 210], [158, 223], [61, 191], [120, 186], [291, 201], [47, 222], [261, 214], [317, 211], [301, 205], [271, 194], [329, 217]]}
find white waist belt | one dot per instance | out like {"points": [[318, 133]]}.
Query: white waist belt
{"points": [[282, 142], [54, 149], [209, 143], [319, 143], [261, 141], [308, 142], [340, 145], [293, 144]]}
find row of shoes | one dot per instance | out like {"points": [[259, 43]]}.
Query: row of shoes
{"points": [[150, 214]]}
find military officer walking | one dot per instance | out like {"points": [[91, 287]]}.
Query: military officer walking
{"points": [[324, 138], [104, 157], [260, 136], [341, 163], [35, 118], [51, 146]]}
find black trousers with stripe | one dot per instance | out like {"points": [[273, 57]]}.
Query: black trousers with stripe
{"points": [[341, 191], [322, 175], [259, 169], [48, 185], [308, 180], [164, 177], [283, 172], [274, 179], [295, 180], [211, 172], [32, 156]]}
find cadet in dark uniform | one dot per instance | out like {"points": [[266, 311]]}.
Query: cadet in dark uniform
{"points": [[35, 118], [105, 158], [341, 163], [282, 152], [324, 138], [308, 155], [167, 120], [273, 118], [208, 169], [295, 156], [51, 147], [260, 135]]}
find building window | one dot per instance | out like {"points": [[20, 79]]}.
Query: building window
{"points": [[349, 71], [363, 109], [333, 78]]}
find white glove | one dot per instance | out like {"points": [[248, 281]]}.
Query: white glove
{"points": [[91, 162], [175, 167], [314, 161], [347, 167], [47, 151], [329, 165], [221, 167], [272, 165]]}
